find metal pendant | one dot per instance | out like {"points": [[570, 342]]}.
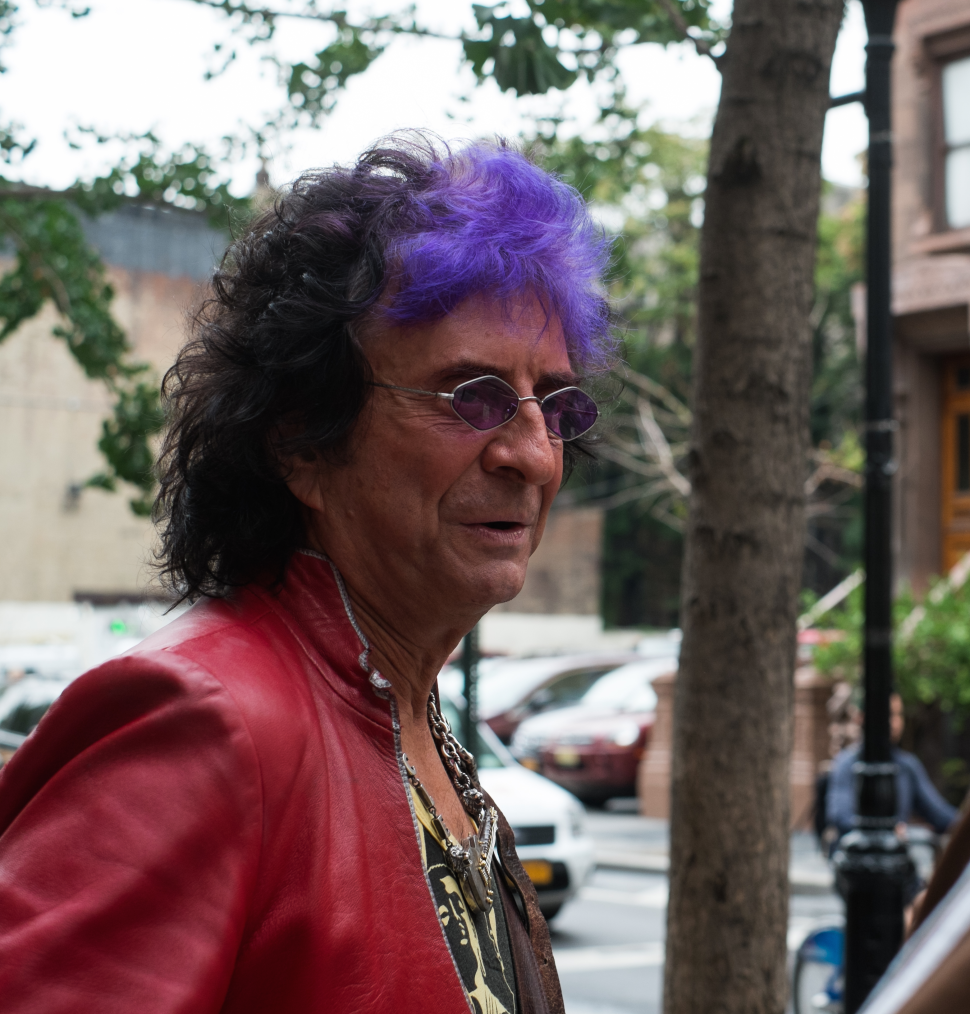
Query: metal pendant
{"points": [[476, 881]]}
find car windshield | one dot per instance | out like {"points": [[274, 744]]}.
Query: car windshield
{"points": [[505, 682], [629, 687], [24, 703], [563, 690]]}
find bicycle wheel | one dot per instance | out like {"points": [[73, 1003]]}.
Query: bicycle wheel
{"points": [[818, 979]]}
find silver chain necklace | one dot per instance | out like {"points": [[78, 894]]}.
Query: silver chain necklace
{"points": [[470, 862]]}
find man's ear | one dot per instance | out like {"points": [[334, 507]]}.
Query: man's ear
{"points": [[304, 475]]}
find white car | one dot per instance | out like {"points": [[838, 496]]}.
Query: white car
{"points": [[548, 822]]}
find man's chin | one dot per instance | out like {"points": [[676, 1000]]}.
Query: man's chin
{"points": [[493, 584]]}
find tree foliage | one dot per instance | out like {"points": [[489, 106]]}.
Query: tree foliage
{"points": [[549, 45], [931, 657], [834, 533]]}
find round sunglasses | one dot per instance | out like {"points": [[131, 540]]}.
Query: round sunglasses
{"points": [[487, 402]]}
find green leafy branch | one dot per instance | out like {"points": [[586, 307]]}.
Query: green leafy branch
{"points": [[560, 40], [551, 46], [189, 177], [53, 262]]}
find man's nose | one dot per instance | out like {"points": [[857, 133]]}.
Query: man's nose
{"points": [[525, 446]]}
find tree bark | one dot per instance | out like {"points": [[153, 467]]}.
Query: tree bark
{"points": [[728, 909]]}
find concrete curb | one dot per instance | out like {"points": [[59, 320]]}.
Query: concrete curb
{"points": [[802, 881]]}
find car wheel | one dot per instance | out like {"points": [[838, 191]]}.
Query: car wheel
{"points": [[550, 911]]}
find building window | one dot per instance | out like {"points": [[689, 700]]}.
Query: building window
{"points": [[955, 80]]}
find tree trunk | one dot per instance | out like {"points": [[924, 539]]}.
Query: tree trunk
{"points": [[728, 911]]}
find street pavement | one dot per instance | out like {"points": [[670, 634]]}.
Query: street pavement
{"points": [[609, 942]]}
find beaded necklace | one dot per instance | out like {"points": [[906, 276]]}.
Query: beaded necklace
{"points": [[471, 861]]}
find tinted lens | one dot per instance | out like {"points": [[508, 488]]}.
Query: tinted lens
{"points": [[485, 403], [570, 413]]}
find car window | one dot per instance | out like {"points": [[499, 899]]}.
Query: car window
{"points": [[565, 689], [629, 687], [504, 684]]}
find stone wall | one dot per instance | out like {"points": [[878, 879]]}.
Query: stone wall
{"points": [[58, 538]]}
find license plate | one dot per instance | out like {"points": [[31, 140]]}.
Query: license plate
{"points": [[567, 758], [540, 872]]}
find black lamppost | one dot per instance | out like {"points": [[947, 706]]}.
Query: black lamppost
{"points": [[469, 666], [872, 865]]}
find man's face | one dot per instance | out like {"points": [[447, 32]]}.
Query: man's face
{"points": [[426, 504], [897, 721]]}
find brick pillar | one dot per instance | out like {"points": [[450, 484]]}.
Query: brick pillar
{"points": [[653, 774], [810, 744]]}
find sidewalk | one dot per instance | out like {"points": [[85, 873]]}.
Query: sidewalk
{"points": [[627, 841]]}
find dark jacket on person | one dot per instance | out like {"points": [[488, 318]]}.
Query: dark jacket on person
{"points": [[915, 793], [220, 821]]}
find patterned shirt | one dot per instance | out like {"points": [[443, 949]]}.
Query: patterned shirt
{"points": [[479, 941]]}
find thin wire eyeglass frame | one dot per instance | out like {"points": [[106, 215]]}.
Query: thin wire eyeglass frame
{"points": [[477, 380]]}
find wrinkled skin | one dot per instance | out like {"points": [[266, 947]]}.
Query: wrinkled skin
{"points": [[429, 521]]}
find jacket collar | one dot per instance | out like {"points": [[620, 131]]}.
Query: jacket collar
{"points": [[314, 604]]}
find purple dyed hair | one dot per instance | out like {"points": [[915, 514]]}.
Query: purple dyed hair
{"points": [[489, 220]]}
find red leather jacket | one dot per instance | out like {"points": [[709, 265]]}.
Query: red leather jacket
{"points": [[219, 821]]}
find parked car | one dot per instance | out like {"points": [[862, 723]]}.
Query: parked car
{"points": [[548, 822], [519, 688], [593, 748]]}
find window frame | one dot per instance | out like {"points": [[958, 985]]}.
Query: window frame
{"points": [[943, 49]]}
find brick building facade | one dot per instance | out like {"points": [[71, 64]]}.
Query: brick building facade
{"points": [[931, 285]]}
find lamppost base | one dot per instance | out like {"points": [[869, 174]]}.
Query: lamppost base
{"points": [[872, 870]]}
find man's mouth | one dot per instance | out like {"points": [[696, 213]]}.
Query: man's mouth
{"points": [[502, 526]]}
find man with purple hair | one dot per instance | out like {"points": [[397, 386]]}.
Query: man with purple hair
{"points": [[260, 808]]}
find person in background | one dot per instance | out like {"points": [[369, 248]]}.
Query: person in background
{"points": [[915, 793]]}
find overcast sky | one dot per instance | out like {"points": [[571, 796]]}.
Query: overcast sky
{"points": [[133, 65]]}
